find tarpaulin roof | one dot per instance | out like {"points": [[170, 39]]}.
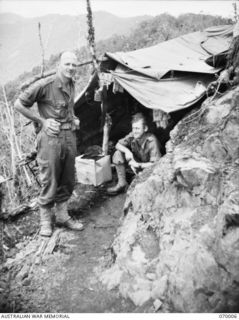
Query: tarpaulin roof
{"points": [[218, 39], [167, 95], [182, 54], [142, 73]]}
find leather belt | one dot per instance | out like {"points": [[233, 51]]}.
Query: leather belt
{"points": [[66, 126]]}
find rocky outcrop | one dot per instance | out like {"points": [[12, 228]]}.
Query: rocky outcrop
{"points": [[178, 246]]}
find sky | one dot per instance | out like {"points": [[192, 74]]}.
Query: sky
{"points": [[123, 8]]}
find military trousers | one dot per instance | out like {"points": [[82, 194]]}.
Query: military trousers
{"points": [[119, 158], [56, 161]]}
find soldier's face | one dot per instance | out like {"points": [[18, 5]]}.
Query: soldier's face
{"points": [[67, 65], [138, 129]]}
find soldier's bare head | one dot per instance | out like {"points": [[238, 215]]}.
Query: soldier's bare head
{"points": [[139, 117], [67, 65], [139, 126]]}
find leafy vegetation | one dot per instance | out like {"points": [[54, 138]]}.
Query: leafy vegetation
{"points": [[158, 29]]}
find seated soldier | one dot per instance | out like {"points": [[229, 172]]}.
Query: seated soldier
{"points": [[139, 149]]}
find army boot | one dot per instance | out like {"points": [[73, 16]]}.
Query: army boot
{"points": [[122, 184], [64, 220], [45, 221]]}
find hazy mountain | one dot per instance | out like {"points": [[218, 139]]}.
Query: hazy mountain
{"points": [[19, 39]]}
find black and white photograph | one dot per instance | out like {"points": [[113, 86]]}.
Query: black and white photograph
{"points": [[119, 159]]}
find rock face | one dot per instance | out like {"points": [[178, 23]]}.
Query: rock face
{"points": [[178, 246]]}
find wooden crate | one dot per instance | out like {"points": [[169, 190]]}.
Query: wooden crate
{"points": [[95, 172]]}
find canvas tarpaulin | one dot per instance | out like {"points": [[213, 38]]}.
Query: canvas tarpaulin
{"points": [[182, 54], [217, 39], [168, 95], [140, 72]]}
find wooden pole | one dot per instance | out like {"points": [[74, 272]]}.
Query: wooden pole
{"points": [[106, 135], [106, 121], [91, 35]]}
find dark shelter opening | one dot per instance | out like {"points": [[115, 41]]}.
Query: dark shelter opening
{"points": [[121, 107]]}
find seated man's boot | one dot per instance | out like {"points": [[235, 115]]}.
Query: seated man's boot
{"points": [[64, 220], [122, 184], [45, 221]]}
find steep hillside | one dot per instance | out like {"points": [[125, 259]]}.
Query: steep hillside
{"points": [[178, 247], [160, 28], [20, 48]]}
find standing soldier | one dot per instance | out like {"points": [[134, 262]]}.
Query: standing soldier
{"points": [[56, 142]]}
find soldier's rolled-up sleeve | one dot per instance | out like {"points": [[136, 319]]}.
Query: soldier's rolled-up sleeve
{"points": [[154, 149], [126, 141], [34, 93]]}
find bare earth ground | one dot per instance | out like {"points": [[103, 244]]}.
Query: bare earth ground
{"points": [[66, 281]]}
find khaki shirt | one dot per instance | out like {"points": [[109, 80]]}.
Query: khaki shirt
{"points": [[145, 149], [54, 100]]}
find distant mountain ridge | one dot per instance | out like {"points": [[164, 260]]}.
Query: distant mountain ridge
{"points": [[19, 40]]}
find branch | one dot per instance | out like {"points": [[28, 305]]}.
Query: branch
{"points": [[42, 49], [27, 83], [15, 148]]}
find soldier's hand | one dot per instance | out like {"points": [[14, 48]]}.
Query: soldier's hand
{"points": [[134, 164], [129, 155], [77, 123], [51, 127]]}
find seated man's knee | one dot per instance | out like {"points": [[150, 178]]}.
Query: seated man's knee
{"points": [[118, 157]]}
